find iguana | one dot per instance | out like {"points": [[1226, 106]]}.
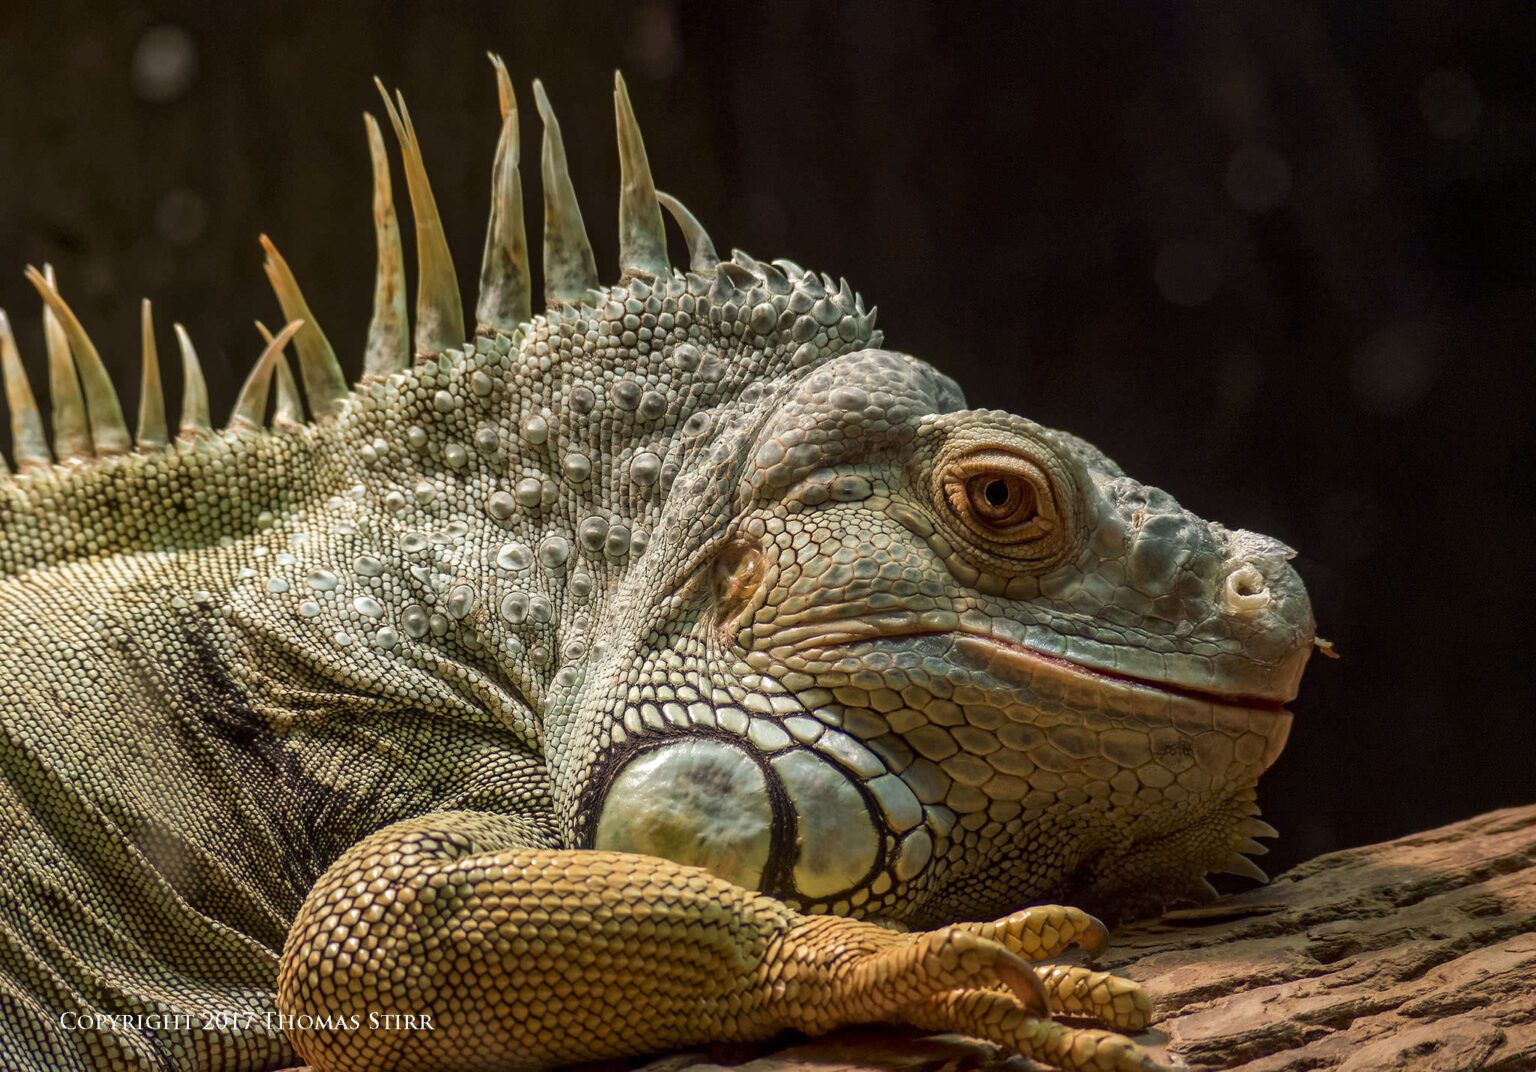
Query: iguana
{"points": [[673, 665]]}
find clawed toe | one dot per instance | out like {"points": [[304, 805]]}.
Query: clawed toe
{"points": [[996, 1018], [1110, 999], [1044, 931], [976, 979], [1021, 978]]}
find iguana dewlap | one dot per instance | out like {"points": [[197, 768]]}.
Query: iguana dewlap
{"points": [[612, 681]]}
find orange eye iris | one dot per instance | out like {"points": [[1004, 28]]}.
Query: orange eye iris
{"points": [[1001, 500], [1004, 505]]}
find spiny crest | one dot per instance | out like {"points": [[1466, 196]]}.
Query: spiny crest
{"points": [[87, 417]]}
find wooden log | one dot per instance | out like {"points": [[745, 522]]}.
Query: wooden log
{"points": [[1418, 954]]}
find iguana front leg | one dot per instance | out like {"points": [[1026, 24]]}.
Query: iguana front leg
{"points": [[528, 956]]}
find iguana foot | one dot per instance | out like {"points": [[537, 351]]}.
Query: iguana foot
{"points": [[968, 978]]}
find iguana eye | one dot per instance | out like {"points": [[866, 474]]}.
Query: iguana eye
{"points": [[1000, 496], [1001, 500]]}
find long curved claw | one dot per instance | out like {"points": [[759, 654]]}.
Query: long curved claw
{"points": [[960, 979], [1016, 1019], [1021, 978]]}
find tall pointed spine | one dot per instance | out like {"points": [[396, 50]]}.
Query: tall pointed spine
{"points": [[701, 249], [249, 414], [570, 270], [71, 433], [324, 381], [439, 308], [642, 240], [288, 411], [29, 443], [506, 285], [389, 346], [194, 390], [108, 430], [151, 432]]}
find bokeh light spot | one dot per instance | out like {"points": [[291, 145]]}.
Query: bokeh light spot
{"points": [[164, 64], [181, 217]]}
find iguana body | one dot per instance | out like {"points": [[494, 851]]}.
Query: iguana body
{"points": [[686, 567]]}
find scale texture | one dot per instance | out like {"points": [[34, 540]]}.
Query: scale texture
{"points": [[676, 665]]}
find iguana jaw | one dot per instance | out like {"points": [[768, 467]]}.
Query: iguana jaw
{"points": [[1014, 658]]}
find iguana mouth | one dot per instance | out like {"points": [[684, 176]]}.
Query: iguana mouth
{"points": [[1028, 664], [1032, 660]]}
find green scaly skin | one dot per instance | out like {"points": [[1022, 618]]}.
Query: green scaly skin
{"points": [[583, 688]]}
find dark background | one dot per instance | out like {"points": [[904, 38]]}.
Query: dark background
{"points": [[1275, 258]]}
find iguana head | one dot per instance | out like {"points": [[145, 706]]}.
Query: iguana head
{"points": [[944, 660]]}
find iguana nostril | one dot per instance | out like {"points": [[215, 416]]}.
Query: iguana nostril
{"points": [[1245, 591]]}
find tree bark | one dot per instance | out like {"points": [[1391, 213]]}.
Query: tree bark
{"points": [[1418, 953]]}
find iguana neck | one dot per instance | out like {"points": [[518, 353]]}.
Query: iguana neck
{"points": [[436, 565], [485, 507], [448, 538]]}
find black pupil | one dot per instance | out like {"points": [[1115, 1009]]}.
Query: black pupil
{"points": [[997, 492]]}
